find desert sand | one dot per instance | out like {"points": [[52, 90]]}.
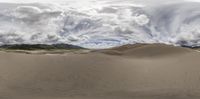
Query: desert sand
{"points": [[129, 72]]}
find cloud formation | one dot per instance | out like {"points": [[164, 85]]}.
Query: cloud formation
{"points": [[101, 24]]}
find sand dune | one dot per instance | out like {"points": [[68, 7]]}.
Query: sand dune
{"points": [[145, 50], [128, 72]]}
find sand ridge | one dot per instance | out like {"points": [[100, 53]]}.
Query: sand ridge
{"points": [[146, 50]]}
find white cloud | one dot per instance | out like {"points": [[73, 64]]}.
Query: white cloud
{"points": [[47, 1]]}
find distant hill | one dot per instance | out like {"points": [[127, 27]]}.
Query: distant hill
{"points": [[40, 47]]}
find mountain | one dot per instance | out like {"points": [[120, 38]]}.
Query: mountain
{"points": [[40, 47]]}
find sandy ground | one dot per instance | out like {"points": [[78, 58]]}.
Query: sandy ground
{"points": [[128, 72]]}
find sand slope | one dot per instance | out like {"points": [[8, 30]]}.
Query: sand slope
{"points": [[146, 51], [128, 72]]}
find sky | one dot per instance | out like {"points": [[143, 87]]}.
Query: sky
{"points": [[82, 22], [47, 1], [95, 2]]}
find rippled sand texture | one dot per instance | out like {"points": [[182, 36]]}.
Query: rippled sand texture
{"points": [[128, 72]]}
